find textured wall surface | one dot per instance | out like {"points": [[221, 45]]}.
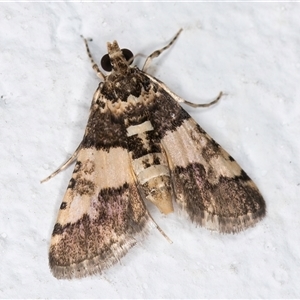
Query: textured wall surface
{"points": [[248, 50]]}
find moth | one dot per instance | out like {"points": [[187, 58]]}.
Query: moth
{"points": [[140, 144]]}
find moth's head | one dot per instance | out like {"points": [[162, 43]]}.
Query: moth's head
{"points": [[116, 59]]}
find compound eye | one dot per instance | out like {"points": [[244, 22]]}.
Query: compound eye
{"points": [[105, 63], [127, 54]]}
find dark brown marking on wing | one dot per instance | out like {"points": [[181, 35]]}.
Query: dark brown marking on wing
{"points": [[235, 201], [63, 205], [166, 114], [97, 241], [104, 131]]}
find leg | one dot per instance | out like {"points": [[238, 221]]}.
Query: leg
{"points": [[206, 104], [64, 166], [158, 52], [179, 99], [95, 66]]}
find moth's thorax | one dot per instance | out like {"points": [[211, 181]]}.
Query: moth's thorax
{"points": [[122, 93], [130, 76]]}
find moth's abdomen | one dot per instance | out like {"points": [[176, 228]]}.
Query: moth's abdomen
{"points": [[150, 166]]}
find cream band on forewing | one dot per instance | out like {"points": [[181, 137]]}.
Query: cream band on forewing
{"points": [[136, 129]]}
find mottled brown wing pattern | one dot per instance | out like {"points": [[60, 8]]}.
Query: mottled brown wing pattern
{"points": [[208, 183], [97, 225], [102, 211]]}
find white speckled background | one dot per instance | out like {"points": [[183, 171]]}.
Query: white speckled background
{"points": [[251, 51]]}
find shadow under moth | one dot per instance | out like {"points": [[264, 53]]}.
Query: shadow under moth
{"points": [[139, 144]]}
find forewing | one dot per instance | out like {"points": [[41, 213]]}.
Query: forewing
{"points": [[102, 211], [207, 182]]}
